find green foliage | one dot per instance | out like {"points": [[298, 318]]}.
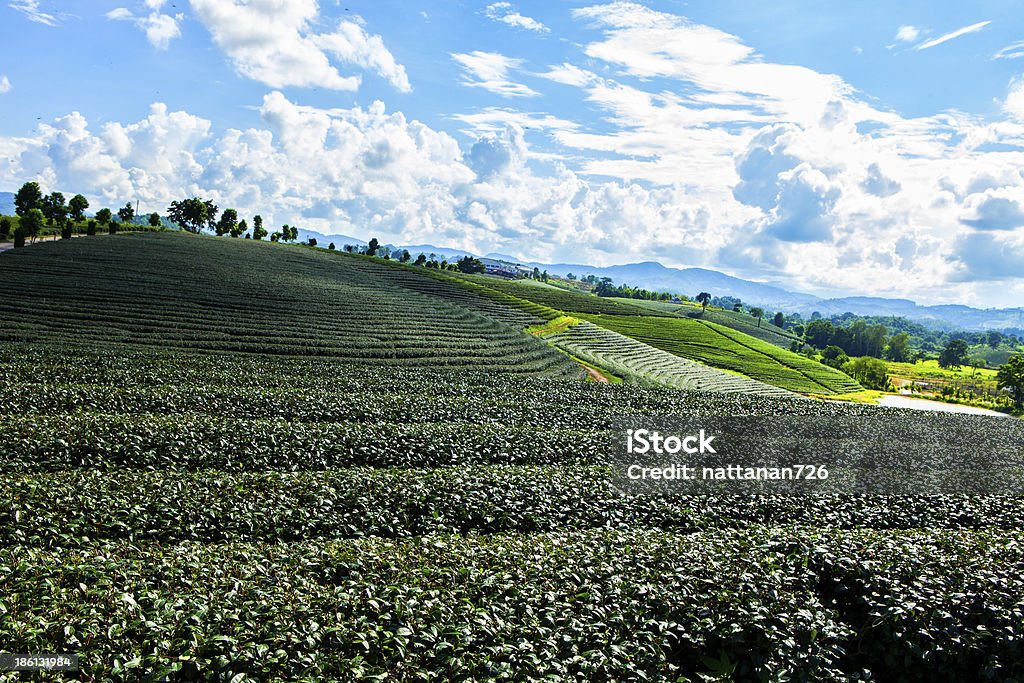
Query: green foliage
{"points": [[834, 357], [954, 355], [5, 227], [30, 224], [154, 220], [104, 216], [77, 207], [193, 214], [29, 196], [869, 372], [228, 223], [1011, 377], [90, 228], [54, 208], [344, 468], [468, 264], [126, 214]]}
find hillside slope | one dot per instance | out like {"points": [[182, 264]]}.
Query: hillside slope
{"points": [[174, 290]]}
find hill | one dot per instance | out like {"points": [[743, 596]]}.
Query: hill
{"points": [[228, 460]]}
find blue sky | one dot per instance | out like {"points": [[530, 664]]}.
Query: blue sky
{"points": [[830, 147]]}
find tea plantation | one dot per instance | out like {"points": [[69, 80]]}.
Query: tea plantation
{"points": [[235, 461]]}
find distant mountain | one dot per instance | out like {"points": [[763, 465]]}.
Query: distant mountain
{"points": [[323, 240]]}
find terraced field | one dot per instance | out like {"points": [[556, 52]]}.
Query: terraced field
{"points": [[187, 500], [722, 347], [636, 360], [741, 322]]}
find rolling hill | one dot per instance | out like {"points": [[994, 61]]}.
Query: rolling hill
{"points": [[237, 461]]}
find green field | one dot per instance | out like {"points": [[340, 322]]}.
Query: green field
{"points": [[741, 322], [722, 347], [234, 461]]}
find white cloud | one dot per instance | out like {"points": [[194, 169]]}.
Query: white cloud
{"points": [[1011, 51], [908, 34], [506, 13], [160, 29], [1013, 105], [490, 71], [30, 8], [5, 85], [274, 42], [973, 28]]}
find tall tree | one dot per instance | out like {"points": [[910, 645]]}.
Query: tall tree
{"points": [[1011, 377], [193, 214], [898, 348], [77, 207], [779, 320], [154, 220], [28, 197], [757, 313], [468, 264], [54, 208], [126, 214], [372, 247], [954, 355], [703, 299], [258, 231], [29, 225], [228, 222], [104, 216]]}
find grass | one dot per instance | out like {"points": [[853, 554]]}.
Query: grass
{"points": [[722, 347]]}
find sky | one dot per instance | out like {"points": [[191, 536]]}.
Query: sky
{"points": [[832, 148]]}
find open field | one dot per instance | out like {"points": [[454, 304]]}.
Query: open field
{"points": [[230, 461]]}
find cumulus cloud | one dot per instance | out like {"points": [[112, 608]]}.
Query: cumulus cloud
{"points": [[160, 29], [878, 184], [274, 42], [490, 71], [907, 34], [991, 211], [983, 256], [506, 13], [5, 85]]}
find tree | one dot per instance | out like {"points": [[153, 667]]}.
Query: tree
{"points": [[737, 307], [898, 348], [90, 227], [834, 357], [27, 198], [779, 320], [227, 224], [404, 256], [192, 214], [276, 237], [1011, 377], [29, 225], [5, 227], [311, 242], [372, 247], [421, 260], [703, 299], [104, 216], [350, 248], [154, 220], [240, 229], [330, 247], [77, 206], [870, 372], [126, 213], [994, 339], [258, 231], [468, 264], [757, 313], [954, 355], [54, 208]]}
